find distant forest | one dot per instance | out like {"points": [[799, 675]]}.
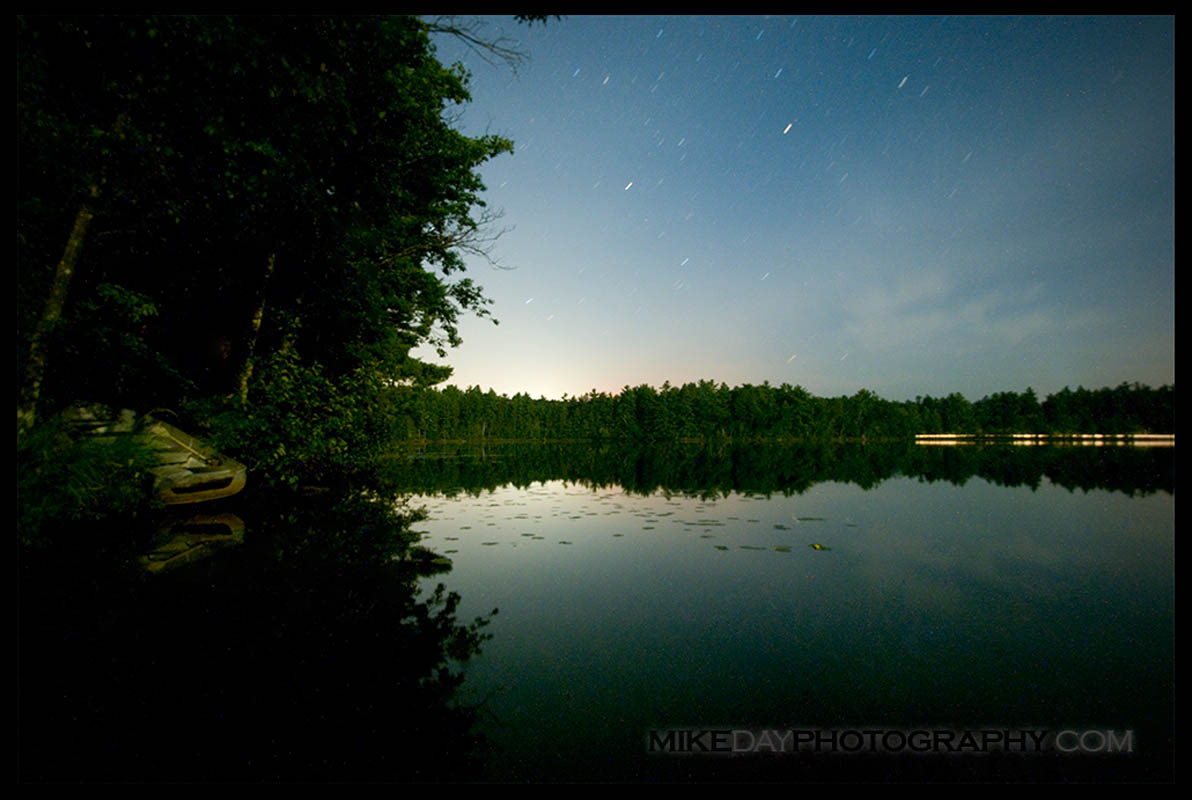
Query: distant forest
{"points": [[708, 411]]}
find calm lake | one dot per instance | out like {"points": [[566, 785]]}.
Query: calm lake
{"points": [[910, 604], [646, 600]]}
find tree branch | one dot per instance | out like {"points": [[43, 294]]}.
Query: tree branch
{"points": [[474, 239], [502, 49]]}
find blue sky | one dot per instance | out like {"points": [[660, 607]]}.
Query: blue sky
{"points": [[912, 205]]}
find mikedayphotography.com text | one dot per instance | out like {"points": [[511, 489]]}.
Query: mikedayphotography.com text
{"points": [[792, 741]]}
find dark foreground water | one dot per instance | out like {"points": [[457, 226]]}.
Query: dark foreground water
{"points": [[757, 614]]}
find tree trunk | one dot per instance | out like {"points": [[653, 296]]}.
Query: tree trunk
{"points": [[255, 330], [35, 367]]}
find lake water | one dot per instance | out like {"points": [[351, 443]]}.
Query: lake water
{"points": [[908, 605], [646, 598]]}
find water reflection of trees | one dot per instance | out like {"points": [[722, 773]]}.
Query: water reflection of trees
{"points": [[709, 470], [306, 654]]}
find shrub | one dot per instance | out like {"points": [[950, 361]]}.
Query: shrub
{"points": [[298, 424], [63, 478]]}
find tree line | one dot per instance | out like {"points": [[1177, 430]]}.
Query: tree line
{"points": [[710, 411]]}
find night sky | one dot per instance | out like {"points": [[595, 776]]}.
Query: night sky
{"points": [[911, 205]]}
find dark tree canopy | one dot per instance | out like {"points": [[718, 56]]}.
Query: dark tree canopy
{"points": [[258, 188]]}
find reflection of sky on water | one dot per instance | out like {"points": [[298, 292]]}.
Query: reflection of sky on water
{"points": [[933, 604]]}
